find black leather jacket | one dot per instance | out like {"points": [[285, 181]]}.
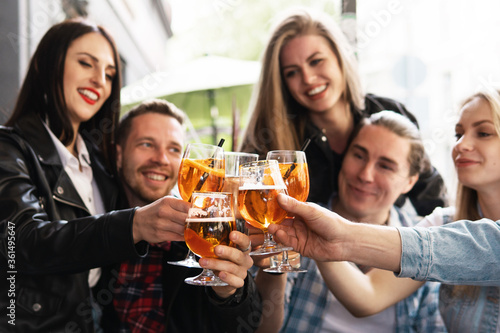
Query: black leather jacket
{"points": [[48, 240], [324, 164]]}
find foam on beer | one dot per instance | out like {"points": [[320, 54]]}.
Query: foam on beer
{"points": [[250, 186], [210, 219]]}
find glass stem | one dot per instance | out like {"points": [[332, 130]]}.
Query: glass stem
{"points": [[268, 240], [190, 255], [284, 261], [285, 257], [207, 273]]}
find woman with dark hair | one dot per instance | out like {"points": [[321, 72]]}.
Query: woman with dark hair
{"points": [[56, 187], [43, 90], [310, 88]]}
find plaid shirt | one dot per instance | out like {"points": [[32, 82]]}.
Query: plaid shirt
{"points": [[306, 301], [138, 299]]}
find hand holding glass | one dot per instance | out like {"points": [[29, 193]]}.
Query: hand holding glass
{"points": [[210, 221], [260, 184]]}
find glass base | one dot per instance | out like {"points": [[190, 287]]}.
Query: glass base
{"points": [[191, 263], [206, 278], [289, 265], [284, 269], [273, 249]]}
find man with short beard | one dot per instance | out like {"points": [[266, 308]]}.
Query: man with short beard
{"points": [[150, 295]]}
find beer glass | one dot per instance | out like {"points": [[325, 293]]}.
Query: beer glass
{"points": [[210, 221], [233, 160], [201, 170], [260, 184], [293, 168]]}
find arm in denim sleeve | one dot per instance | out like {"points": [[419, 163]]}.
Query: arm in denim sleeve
{"points": [[462, 252]]}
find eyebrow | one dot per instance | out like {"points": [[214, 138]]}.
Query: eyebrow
{"points": [[383, 158], [150, 138], [308, 59], [476, 124], [95, 59], [144, 138], [480, 122]]}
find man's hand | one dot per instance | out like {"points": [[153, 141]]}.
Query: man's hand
{"points": [[232, 264], [322, 235], [257, 238], [318, 238], [162, 220]]}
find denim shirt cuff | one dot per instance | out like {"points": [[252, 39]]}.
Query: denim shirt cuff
{"points": [[416, 253]]}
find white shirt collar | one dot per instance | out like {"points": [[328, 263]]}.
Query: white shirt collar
{"points": [[64, 154]]}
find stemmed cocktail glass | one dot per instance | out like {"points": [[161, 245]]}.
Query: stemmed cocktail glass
{"points": [[260, 184], [210, 221], [293, 168], [233, 160], [201, 170]]}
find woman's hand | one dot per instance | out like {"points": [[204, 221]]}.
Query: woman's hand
{"points": [[231, 265]]}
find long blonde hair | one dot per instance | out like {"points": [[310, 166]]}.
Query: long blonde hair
{"points": [[466, 203], [277, 120]]}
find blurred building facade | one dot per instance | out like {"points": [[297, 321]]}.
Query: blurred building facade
{"points": [[140, 28]]}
